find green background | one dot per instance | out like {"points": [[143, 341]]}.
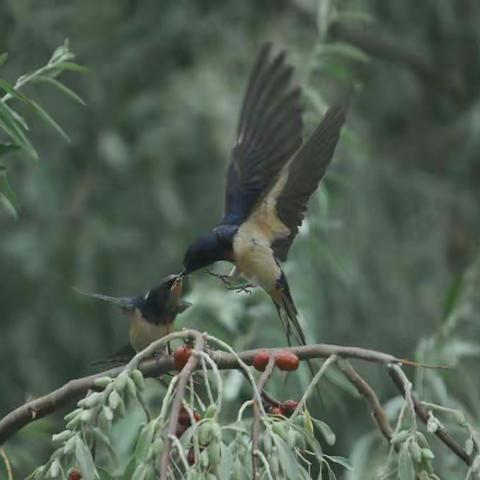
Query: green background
{"points": [[389, 235]]}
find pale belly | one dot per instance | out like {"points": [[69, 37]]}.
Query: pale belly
{"points": [[254, 259], [143, 333]]}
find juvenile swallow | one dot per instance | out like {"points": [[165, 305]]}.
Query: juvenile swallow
{"points": [[270, 178], [152, 314]]}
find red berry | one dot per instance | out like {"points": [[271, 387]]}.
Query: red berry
{"points": [[181, 429], [184, 418], [74, 475], [286, 360], [261, 359], [191, 457], [196, 416], [276, 411], [289, 407], [181, 356]]}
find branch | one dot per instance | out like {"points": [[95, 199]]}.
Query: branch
{"points": [[422, 413], [183, 378], [367, 392]]}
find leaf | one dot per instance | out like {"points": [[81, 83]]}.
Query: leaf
{"points": [[8, 123], [144, 441], [3, 58], [405, 464], [63, 88], [344, 462], [48, 119], [7, 197], [226, 462], [343, 50], [325, 430], [453, 295], [4, 85], [74, 67], [104, 475], [7, 148], [85, 461], [287, 458]]}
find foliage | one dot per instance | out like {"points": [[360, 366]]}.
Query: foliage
{"points": [[15, 126]]}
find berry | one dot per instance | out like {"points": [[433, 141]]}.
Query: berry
{"points": [[181, 356], [181, 429], [191, 457], [196, 416], [260, 360], [184, 418], [74, 475], [289, 407], [286, 360], [276, 411]]}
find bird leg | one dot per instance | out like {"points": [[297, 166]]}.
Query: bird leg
{"points": [[246, 288], [226, 279], [229, 279]]}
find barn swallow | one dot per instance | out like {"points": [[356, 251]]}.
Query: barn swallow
{"points": [[152, 314], [270, 178]]}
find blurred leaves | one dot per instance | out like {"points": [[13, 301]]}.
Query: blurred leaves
{"points": [[15, 126]]}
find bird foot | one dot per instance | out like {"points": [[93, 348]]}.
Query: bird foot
{"points": [[243, 288], [226, 279]]}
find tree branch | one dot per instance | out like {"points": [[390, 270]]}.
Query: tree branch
{"points": [[422, 413], [367, 392], [75, 389]]}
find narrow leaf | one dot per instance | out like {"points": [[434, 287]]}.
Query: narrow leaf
{"points": [[48, 119], [325, 430], [7, 148], [74, 67], [3, 58], [4, 85], [85, 461], [67, 91]]}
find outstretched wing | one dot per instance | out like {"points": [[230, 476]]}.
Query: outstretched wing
{"points": [[268, 134], [305, 171], [279, 213]]}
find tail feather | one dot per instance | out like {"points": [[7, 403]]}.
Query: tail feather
{"points": [[288, 313]]}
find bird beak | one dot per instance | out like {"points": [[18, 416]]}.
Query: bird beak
{"points": [[176, 288]]}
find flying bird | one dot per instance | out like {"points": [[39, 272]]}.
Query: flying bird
{"points": [[152, 314], [270, 178]]}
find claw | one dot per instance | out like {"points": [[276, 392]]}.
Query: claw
{"points": [[243, 288]]}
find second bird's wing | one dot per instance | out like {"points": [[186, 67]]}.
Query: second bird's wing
{"points": [[268, 134], [305, 171], [279, 213]]}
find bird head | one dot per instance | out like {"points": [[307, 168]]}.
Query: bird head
{"points": [[202, 252]]}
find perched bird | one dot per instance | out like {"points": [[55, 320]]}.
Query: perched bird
{"points": [[270, 179], [151, 315]]}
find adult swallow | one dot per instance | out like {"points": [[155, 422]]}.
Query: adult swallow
{"points": [[270, 178], [152, 314]]}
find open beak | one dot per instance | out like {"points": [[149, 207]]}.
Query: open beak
{"points": [[176, 288]]}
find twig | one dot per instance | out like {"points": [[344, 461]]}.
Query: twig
{"points": [[442, 433], [257, 415], [184, 377], [407, 393], [367, 392], [8, 466]]}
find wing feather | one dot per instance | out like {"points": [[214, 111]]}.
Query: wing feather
{"points": [[305, 171], [268, 134], [280, 211]]}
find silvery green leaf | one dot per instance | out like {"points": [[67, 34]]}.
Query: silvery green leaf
{"points": [[287, 458], [85, 461], [344, 462], [144, 441], [325, 430], [405, 464]]}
